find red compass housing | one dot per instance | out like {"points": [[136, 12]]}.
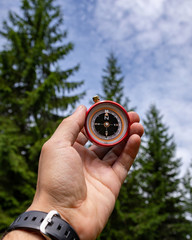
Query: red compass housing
{"points": [[107, 123]]}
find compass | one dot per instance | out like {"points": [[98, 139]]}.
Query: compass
{"points": [[107, 123]]}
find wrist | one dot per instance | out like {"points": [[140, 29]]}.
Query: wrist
{"points": [[79, 218], [67, 214], [45, 225], [23, 235]]}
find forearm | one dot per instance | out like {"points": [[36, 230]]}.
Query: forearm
{"points": [[23, 235]]}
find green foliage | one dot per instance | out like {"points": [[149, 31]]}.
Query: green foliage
{"points": [[112, 85], [112, 82], [17, 179], [34, 93], [163, 216], [151, 205]]}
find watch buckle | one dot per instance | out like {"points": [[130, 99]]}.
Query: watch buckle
{"points": [[47, 221]]}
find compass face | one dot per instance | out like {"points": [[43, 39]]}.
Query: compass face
{"points": [[107, 123]]}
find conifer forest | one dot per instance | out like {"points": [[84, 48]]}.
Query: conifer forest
{"points": [[36, 93]]}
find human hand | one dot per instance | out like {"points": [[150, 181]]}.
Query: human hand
{"points": [[81, 183]]}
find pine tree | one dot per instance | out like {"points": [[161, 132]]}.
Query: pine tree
{"points": [[163, 216], [35, 91], [112, 85], [112, 82]]}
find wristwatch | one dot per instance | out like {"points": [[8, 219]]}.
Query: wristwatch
{"points": [[50, 225]]}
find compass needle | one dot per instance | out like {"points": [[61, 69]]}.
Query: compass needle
{"points": [[106, 133]]}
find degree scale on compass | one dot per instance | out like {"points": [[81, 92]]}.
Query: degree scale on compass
{"points": [[107, 123]]}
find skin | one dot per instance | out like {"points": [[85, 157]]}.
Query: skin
{"points": [[81, 183]]}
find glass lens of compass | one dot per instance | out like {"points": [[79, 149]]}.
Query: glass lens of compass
{"points": [[106, 125]]}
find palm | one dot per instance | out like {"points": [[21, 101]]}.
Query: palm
{"points": [[88, 188], [82, 183], [97, 195]]}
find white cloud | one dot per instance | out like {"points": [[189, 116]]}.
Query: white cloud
{"points": [[150, 21], [153, 41]]}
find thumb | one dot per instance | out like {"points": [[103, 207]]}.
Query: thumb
{"points": [[70, 127]]}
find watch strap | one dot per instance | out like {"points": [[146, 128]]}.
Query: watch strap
{"points": [[50, 225]]}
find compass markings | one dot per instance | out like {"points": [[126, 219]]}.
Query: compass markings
{"points": [[106, 124]]}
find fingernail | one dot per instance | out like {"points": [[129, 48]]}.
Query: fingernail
{"points": [[79, 108]]}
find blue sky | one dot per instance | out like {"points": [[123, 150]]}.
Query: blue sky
{"points": [[153, 42]]}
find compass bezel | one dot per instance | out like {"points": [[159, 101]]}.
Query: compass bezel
{"points": [[125, 126]]}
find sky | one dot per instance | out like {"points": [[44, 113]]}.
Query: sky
{"points": [[152, 40]]}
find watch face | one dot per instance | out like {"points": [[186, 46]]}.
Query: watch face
{"points": [[107, 123]]}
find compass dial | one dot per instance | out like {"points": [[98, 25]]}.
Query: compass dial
{"points": [[107, 123]]}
